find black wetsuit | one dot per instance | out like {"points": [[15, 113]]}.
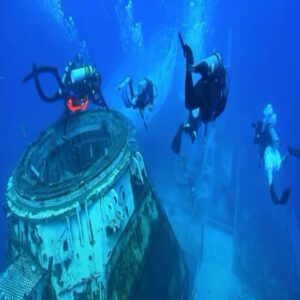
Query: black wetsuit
{"points": [[209, 93]]}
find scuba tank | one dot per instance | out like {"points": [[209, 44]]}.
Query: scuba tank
{"points": [[211, 64], [82, 73]]}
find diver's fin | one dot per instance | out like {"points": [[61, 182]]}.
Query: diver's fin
{"points": [[283, 199], [181, 41], [294, 151], [285, 196], [176, 143], [187, 51]]}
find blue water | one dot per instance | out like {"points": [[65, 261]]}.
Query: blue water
{"points": [[260, 41]]}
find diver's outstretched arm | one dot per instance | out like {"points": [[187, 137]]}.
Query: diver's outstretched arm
{"points": [[294, 151], [34, 74]]}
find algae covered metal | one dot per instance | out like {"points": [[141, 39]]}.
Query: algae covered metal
{"points": [[84, 220]]}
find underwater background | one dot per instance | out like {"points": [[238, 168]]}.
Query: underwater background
{"points": [[258, 249]]}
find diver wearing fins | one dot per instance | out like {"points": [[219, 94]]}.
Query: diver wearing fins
{"points": [[267, 139], [209, 94], [144, 98], [80, 84]]}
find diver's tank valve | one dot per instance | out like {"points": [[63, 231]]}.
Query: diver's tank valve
{"points": [[213, 63], [82, 73]]}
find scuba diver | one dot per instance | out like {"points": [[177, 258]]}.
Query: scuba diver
{"points": [[267, 139], [80, 84], [141, 100], [208, 96]]}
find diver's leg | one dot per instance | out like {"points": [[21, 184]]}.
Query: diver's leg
{"points": [[54, 72], [36, 71], [55, 97], [271, 163], [192, 126], [190, 101], [201, 68], [189, 85]]}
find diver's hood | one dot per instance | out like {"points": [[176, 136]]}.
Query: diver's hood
{"points": [[270, 118], [268, 111]]}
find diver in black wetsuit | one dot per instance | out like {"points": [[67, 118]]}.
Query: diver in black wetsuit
{"points": [[210, 92], [144, 98], [80, 84]]}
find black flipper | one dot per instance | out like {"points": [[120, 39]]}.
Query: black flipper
{"points": [[176, 143], [187, 51], [284, 198], [34, 75], [294, 151], [181, 42]]}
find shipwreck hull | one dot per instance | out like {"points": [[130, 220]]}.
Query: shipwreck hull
{"points": [[83, 214]]}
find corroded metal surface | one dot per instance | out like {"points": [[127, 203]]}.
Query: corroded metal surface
{"points": [[30, 196], [20, 278], [147, 263], [97, 226]]}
